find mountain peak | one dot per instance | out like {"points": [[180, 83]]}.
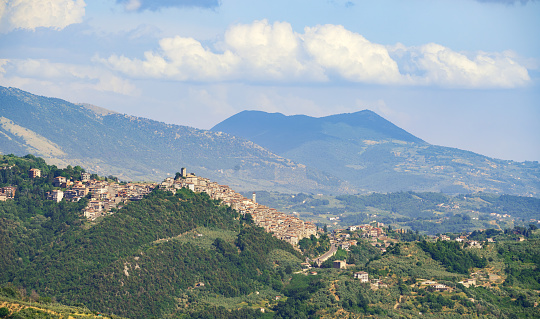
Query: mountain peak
{"points": [[281, 133]]}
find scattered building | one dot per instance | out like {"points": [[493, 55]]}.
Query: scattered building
{"points": [[34, 173], [468, 282], [7, 192], [440, 287], [56, 195], [340, 264], [362, 275]]}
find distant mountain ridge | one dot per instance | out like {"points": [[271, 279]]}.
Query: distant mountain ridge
{"points": [[346, 153], [134, 148], [373, 154], [282, 133]]}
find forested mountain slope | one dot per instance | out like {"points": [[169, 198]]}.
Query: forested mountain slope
{"points": [[138, 261]]}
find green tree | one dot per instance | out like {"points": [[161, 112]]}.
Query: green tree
{"points": [[4, 312]]}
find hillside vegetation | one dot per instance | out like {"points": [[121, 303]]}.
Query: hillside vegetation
{"points": [[184, 255], [140, 255]]}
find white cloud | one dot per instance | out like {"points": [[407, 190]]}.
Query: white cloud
{"points": [[180, 59], [270, 52], [350, 55], [31, 14], [21, 72], [434, 64], [265, 52]]}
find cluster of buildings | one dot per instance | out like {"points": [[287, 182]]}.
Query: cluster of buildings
{"points": [[7, 192], [285, 227], [104, 195], [368, 230], [374, 233], [463, 239]]}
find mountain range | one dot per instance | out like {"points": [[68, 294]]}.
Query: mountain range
{"points": [[372, 154], [345, 153], [134, 148]]}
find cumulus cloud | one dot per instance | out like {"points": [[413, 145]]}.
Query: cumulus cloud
{"points": [[266, 52], [154, 5], [349, 55], [270, 51], [434, 64], [32, 14], [180, 59], [76, 76]]}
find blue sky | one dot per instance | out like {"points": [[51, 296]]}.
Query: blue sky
{"points": [[458, 73]]}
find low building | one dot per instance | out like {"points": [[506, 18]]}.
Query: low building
{"points": [[59, 181], [440, 287], [56, 195], [340, 264], [474, 244], [34, 173], [468, 282], [362, 275]]}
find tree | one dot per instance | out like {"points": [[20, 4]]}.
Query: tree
{"points": [[4, 312]]}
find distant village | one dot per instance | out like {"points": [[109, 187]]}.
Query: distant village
{"points": [[105, 196]]}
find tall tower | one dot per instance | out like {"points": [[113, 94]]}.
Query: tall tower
{"points": [[254, 198], [183, 172]]}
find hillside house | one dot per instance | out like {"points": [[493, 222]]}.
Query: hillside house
{"points": [[474, 244], [340, 264], [85, 177], [56, 195], [362, 275], [440, 287], [34, 173], [8, 191], [60, 181], [468, 282]]}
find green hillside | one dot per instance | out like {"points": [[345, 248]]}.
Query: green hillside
{"points": [[374, 155], [145, 256], [184, 255]]}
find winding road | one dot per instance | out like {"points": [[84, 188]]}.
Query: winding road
{"points": [[319, 260]]}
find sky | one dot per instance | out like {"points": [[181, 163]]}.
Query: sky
{"points": [[456, 73]]}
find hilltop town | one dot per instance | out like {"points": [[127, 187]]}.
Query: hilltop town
{"points": [[107, 196], [285, 227]]}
